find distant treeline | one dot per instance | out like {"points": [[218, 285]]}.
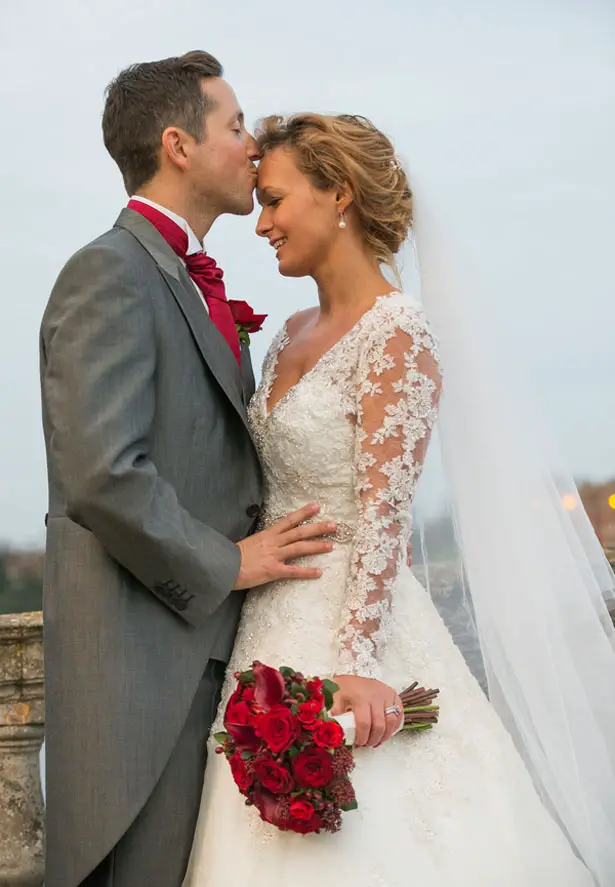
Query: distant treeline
{"points": [[21, 581]]}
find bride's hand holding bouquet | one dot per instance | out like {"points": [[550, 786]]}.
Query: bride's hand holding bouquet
{"points": [[376, 707], [291, 754]]}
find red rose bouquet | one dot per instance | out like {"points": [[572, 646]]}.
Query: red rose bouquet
{"points": [[288, 756]]}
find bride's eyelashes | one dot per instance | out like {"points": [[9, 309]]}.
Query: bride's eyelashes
{"points": [[274, 201]]}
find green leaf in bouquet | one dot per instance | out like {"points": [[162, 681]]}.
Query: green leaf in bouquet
{"points": [[246, 755], [352, 805], [246, 677], [221, 737], [328, 689], [296, 688], [286, 672], [293, 751]]}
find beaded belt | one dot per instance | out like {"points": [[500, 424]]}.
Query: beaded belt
{"points": [[345, 531]]}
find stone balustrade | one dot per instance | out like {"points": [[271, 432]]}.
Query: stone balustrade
{"points": [[22, 725]]}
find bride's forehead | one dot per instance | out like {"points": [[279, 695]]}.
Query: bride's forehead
{"points": [[278, 167]]}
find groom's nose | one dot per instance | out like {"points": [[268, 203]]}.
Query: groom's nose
{"points": [[251, 146]]}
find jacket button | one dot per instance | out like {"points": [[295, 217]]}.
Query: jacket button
{"points": [[253, 511]]}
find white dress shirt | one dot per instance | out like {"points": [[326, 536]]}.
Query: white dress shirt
{"points": [[194, 244]]}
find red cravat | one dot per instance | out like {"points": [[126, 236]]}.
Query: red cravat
{"points": [[201, 268]]}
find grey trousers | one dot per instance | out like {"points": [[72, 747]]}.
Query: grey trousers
{"points": [[154, 852]]}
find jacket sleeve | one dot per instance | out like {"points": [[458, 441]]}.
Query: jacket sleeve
{"points": [[98, 383]]}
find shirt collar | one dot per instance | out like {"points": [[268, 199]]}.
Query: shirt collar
{"points": [[194, 244]]}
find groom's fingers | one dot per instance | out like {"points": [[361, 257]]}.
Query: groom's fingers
{"points": [[262, 563], [265, 555], [292, 520], [293, 571], [305, 549], [307, 531]]}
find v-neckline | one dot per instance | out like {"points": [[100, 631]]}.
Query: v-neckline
{"points": [[269, 409]]}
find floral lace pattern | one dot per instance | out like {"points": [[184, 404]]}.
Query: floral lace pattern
{"points": [[385, 375], [397, 384]]}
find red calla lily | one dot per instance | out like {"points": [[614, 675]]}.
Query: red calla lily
{"points": [[269, 689], [243, 736], [269, 807]]}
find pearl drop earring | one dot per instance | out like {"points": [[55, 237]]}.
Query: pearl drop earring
{"points": [[342, 222]]}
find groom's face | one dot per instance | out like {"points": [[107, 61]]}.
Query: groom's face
{"points": [[221, 167]]}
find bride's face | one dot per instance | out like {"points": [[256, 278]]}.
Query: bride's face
{"points": [[299, 220]]}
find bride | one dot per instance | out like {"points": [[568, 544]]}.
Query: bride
{"points": [[348, 399]]}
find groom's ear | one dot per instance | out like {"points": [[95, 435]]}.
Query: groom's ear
{"points": [[174, 144]]}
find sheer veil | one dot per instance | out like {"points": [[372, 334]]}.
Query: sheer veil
{"points": [[536, 575]]}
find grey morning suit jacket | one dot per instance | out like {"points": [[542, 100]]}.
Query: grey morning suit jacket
{"points": [[153, 475]]}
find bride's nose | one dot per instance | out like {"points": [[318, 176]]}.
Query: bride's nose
{"points": [[263, 225]]}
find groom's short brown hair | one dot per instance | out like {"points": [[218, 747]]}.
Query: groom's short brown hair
{"points": [[146, 98]]}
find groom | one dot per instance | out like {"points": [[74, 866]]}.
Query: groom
{"points": [[155, 487]]}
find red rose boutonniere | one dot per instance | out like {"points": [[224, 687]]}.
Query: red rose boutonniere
{"points": [[245, 319]]}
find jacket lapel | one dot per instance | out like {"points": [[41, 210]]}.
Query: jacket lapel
{"points": [[211, 343], [247, 373]]}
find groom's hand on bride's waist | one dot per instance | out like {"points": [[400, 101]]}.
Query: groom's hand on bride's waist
{"points": [[265, 556], [368, 699]]}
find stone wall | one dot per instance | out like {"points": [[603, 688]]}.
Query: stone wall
{"points": [[22, 725]]}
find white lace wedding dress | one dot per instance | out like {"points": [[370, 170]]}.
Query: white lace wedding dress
{"points": [[451, 807]]}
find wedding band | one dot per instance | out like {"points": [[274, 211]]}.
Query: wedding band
{"points": [[393, 710]]}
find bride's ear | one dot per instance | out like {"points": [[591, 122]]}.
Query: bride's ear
{"points": [[343, 199]]}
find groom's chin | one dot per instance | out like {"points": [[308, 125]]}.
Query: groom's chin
{"points": [[241, 203], [245, 207]]}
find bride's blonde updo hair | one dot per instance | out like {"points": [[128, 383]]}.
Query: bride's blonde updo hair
{"points": [[348, 151]]}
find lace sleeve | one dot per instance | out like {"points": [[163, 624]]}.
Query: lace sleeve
{"points": [[397, 390]]}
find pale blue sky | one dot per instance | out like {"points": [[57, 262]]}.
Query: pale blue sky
{"points": [[445, 79]]}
